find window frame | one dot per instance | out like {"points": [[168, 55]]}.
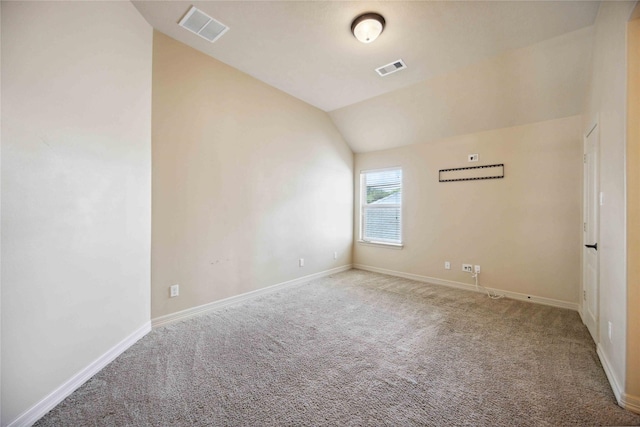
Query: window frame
{"points": [[363, 205]]}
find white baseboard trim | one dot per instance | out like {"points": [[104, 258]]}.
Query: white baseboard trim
{"points": [[631, 403], [580, 313], [469, 287], [615, 385], [627, 401], [37, 411], [194, 311]]}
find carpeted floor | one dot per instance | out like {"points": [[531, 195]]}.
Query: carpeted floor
{"points": [[356, 348]]}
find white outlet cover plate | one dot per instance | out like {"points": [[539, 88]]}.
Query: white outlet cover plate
{"points": [[473, 157], [175, 290]]}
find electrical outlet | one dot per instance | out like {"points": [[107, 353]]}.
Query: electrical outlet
{"points": [[301, 262], [447, 265], [467, 267], [473, 157], [610, 330], [476, 268], [335, 255], [174, 291]]}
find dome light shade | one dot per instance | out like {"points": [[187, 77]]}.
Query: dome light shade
{"points": [[367, 27]]}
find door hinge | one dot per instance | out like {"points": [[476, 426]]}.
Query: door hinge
{"points": [[584, 226], [584, 295], [584, 158]]}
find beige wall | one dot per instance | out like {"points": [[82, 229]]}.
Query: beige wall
{"points": [[523, 230], [246, 180], [76, 177], [633, 208], [0, 215], [606, 102]]}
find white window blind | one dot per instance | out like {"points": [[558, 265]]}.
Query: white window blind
{"points": [[381, 203]]}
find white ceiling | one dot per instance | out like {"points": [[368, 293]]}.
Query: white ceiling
{"points": [[540, 82], [306, 49]]}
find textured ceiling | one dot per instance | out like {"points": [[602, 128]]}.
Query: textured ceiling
{"points": [[472, 65]]}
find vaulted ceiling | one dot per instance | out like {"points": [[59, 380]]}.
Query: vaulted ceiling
{"points": [[471, 65]]}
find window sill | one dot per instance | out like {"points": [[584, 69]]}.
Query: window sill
{"points": [[382, 244]]}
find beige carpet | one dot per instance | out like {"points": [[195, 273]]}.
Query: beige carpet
{"points": [[356, 348]]}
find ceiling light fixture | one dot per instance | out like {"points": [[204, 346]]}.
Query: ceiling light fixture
{"points": [[367, 27]]}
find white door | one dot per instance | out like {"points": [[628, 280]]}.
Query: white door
{"points": [[590, 286]]}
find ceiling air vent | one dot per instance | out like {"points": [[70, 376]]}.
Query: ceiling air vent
{"points": [[203, 25], [385, 70]]}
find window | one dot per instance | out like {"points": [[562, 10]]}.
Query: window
{"points": [[381, 206]]}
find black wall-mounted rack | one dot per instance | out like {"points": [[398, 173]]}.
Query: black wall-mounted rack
{"points": [[499, 173]]}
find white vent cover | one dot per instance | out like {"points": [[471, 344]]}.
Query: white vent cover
{"points": [[385, 70], [203, 25]]}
